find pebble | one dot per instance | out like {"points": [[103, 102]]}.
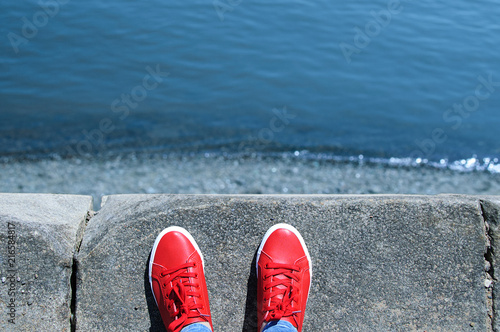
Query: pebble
{"points": [[195, 174], [487, 266]]}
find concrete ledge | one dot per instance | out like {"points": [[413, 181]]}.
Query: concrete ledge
{"points": [[38, 236], [490, 207], [381, 263]]}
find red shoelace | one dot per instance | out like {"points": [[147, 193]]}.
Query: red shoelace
{"points": [[181, 296], [280, 292]]}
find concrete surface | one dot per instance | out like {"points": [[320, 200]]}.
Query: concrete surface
{"points": [[490, 207], [380, 263], [38, 237]]}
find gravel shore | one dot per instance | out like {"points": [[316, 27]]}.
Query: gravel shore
{"points": [[208, 174]]}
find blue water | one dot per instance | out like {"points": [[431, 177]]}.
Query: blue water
{"points": [[251, 76]]}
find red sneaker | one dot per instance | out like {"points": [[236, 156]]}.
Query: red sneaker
{"points": [[177, 279], [284, 271]]}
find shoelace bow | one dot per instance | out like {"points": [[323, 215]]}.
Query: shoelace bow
{"points": [[180, 300], [280, 293]]}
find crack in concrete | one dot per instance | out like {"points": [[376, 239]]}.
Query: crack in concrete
{"points": [[489, 266], [74, 269]]}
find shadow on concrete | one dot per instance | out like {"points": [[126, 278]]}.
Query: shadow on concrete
{"points": [[154, 313], [250, 321]]}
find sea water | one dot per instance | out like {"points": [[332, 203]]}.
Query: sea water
{"points": [[391, 83]]}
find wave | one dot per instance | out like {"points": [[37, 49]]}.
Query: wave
{"points": [[470, 164]]}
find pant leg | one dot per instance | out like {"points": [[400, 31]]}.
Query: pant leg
{"points": [[279, 326], [196, 327]]}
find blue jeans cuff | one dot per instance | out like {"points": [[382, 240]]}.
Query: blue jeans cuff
{"points": [[196, 327], [279, 326]]}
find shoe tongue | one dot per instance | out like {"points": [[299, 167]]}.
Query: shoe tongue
{"points": [[180, 292], [281, 287]]}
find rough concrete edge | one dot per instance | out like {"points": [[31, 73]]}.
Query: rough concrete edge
{"points": [[74, 267], [120, 198], [491, 215], [104, 199]]}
